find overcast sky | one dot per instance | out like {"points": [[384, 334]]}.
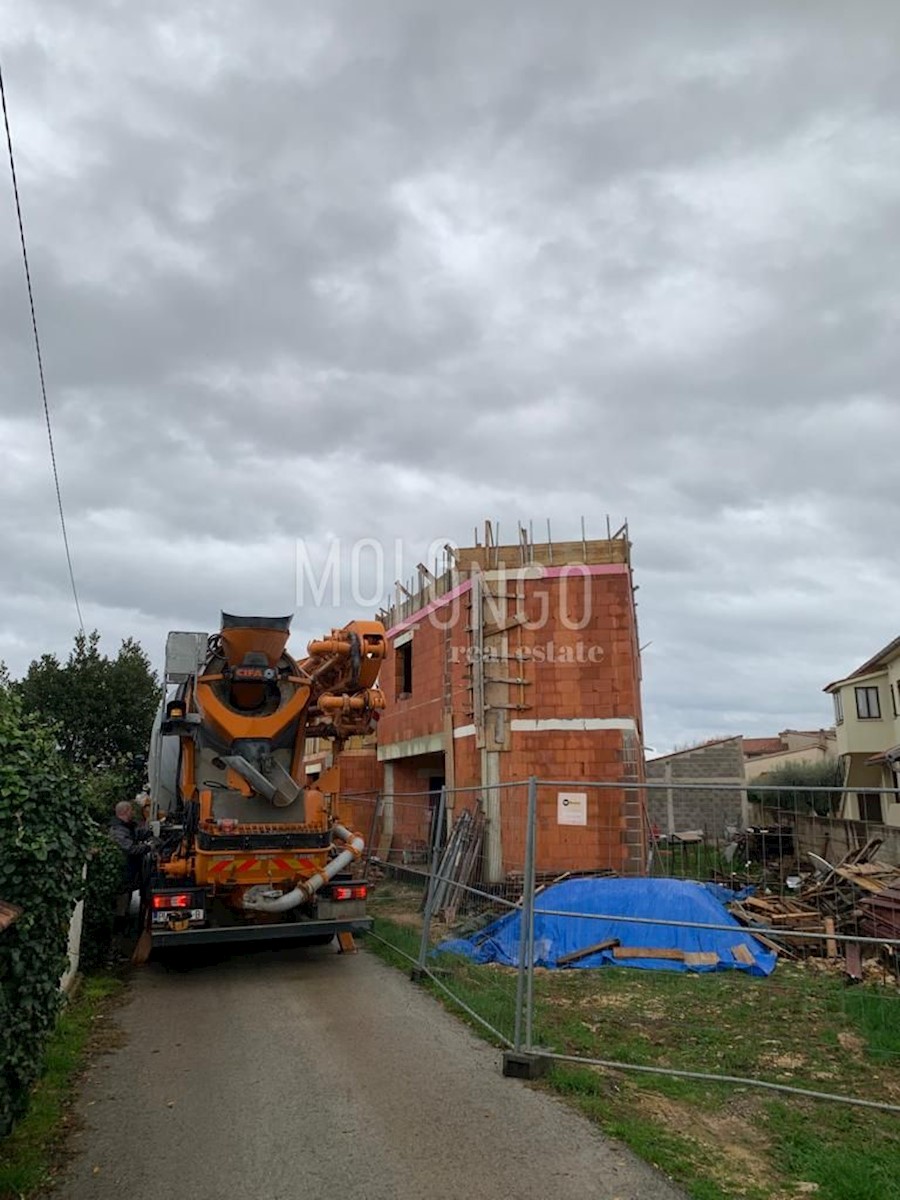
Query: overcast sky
{"points": [[385, 268]]}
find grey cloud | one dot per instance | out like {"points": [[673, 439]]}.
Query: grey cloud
{"points": [[353, 270]]}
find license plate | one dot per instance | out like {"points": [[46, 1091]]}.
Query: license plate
{"points": [[193, 914]]}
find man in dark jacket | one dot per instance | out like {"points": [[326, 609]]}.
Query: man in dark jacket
{"points": [[134, 845]]}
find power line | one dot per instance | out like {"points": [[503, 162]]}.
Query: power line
{"points": [[37, 348]]}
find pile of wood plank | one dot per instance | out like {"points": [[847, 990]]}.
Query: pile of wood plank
{"points": [[782, 913], [513, 885], [460, 864], [860, 896], [691, 958], [880, 913], [856, 894]]}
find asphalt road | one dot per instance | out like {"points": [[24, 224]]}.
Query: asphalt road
{"points": [[290, 1073]]}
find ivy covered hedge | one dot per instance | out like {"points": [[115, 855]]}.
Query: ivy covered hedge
{"points": [[104, 882], [45, 835]]}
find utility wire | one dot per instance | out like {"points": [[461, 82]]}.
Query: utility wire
{"points": [[37, 348]]}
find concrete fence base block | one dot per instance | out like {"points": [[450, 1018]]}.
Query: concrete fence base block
{"points": [[517, 1064], [417, 974]]}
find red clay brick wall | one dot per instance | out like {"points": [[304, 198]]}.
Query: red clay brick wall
{"points": [[421, 712], [599, 844], [361, 779], [407, 779], [589, 755], [467, 762], [412, 809], [587, 672], [581, 672], [590, 671], [360, 771]]}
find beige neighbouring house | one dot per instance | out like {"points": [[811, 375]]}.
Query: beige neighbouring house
{"points": [[791, 746], [866, 705]]}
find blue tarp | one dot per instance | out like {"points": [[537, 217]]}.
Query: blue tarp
{"points": [[663, 899]]}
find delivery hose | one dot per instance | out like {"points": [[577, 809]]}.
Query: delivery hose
{"points": [[257, 899]]}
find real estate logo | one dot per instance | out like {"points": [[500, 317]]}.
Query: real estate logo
{"points": [[365, 574]]}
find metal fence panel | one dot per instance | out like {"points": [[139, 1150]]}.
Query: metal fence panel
{"points": [[428, 887], [826, 1022]]}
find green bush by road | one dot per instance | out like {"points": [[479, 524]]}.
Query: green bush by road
{"points": [[45, 839]]}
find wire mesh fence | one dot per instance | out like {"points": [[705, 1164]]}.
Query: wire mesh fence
{"points": [[760, 947], [430, 888], [748, 954]]}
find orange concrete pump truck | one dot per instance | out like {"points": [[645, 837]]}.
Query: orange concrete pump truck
{"points": [[243, 848]]}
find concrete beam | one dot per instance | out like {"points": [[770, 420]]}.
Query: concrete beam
{"points": [[429, 743]]}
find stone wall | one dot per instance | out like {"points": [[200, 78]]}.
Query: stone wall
{"points": [[674, 809], [831, 837]]}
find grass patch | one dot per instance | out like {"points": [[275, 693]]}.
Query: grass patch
{"points": [[681, 1157], [395, 944], [29, 1153], [798, 1027], [879, 1023], [850, 1155]]}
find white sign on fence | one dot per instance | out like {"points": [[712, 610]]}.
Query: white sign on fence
{"points": [[571, 808]]}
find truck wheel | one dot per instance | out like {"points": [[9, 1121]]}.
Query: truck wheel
{"points": [[321, 939]]}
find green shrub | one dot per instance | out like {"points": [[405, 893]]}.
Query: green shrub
{"points": [[798, 777], [102, 788], [44, 835], [104, 882]]}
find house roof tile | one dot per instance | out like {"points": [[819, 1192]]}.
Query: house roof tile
{"points": [[762, 745]]}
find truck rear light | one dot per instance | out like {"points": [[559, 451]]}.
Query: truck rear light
{"points": [[355, 891], [176, 900]]}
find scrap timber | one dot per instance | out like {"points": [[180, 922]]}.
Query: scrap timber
{"points": [[460, 863], [859, 896]]}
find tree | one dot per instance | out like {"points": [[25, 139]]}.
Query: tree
{"points": [[800, 776], [101, 710], [97, 713]]}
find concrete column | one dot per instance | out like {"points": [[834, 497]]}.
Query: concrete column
{"points": [[670, 800], [386, 836], [493, 849]]}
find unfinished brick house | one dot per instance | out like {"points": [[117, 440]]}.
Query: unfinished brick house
{"points": [[514, 661]]}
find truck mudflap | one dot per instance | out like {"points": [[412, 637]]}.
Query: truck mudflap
{"points": [[282, 930]]}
